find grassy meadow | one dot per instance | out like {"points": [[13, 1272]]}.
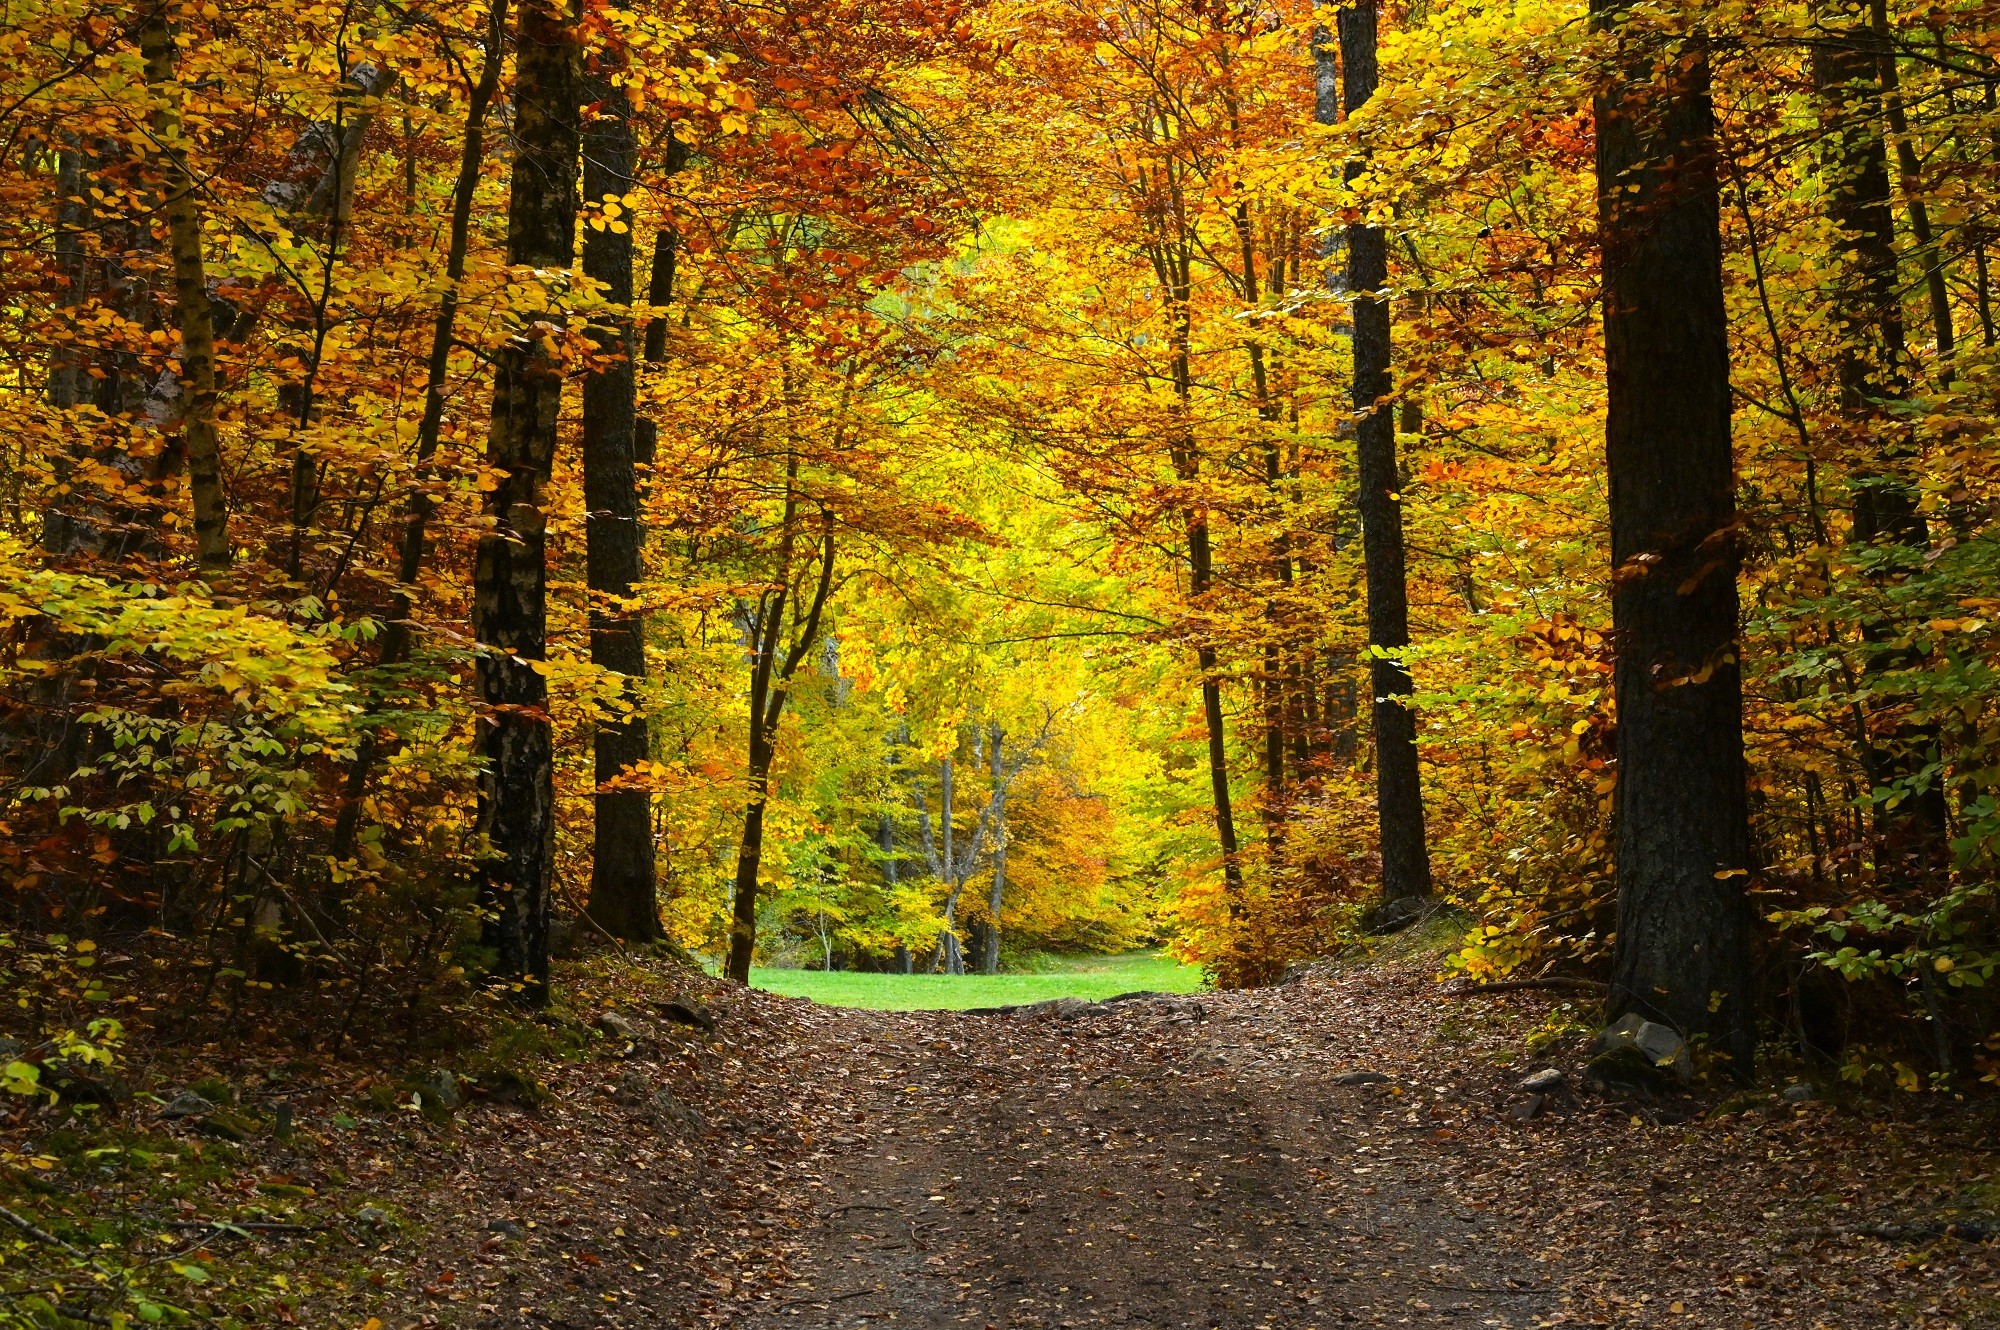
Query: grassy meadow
{"points": [[1067, 976]]}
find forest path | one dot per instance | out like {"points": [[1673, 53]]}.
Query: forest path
{"points": [[1200, 1162], [1148, 1163]]}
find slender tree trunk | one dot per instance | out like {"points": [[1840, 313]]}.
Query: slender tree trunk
{"points": [[1912, 173], [622, 892], [1406, 868], [510, 583], [444, 330], [196, 387], [765, 630], [891, 875], [954, 957], [1873, 360], [770, 685], [749, 862], [1874, 368], [1174, 267], [990, 962], [65, 529], [1682, 953], [659, 294], [69, 375]]}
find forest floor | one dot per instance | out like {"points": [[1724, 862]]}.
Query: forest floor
{"points": [[1345, 1149], [1231, 1160]]}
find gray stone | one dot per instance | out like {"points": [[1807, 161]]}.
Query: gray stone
{"points": [[1543, 1081], [698, 1016], [1799, 1094], [617, 1026], [505, 1227], [375, 1216], [187, 1104], [439, 1087], [1528, 1108], [1063, 1009], [1632, 1039], [672, 1116], [1359, 1078]]}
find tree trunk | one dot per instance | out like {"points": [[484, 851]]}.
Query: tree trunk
{"points": [[444, 329], [770, 685], [510, 583], [622, 893], [1872, 358], [891, 874], [1173, 262], [1847, 69], [1682, 952], [1406, 868], [749, 862], [1911, 171], [990, 962], [954, 955], [196, 386]]}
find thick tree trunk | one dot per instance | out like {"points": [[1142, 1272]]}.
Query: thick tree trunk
{"points": [[195, 406], [1682, 952], [622, 890], [1406, 868], [510, 583], [989, 963]]}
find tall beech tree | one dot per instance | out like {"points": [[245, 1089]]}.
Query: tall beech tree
{"points": [[1399, 796], [623, 897], [1683, 847], [516, 815]]}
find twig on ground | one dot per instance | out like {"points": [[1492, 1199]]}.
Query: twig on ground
{"points": [[41, 1234], [248, 1226], [1520, 985], [827, 1297]]}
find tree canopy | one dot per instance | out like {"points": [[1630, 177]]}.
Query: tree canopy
{"points": [[896, 485]]}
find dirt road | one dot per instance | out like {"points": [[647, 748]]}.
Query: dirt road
{"points": [[1330, 1154]]}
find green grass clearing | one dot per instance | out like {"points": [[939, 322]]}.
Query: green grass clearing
{"points": [[1076, 976]]}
